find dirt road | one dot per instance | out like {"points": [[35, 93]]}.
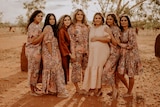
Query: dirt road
{"points": [[14, 91]]}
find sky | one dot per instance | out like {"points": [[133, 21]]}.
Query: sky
{"points": [[13, 8]]}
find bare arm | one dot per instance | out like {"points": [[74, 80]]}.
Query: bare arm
{"points": [[38, 39]]}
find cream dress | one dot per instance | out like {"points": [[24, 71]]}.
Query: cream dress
{"points": [[98, 54]]}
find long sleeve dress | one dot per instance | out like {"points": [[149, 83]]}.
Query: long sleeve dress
{"points": [[129, 62], [52, 74], [33, 53], [112, 62]]}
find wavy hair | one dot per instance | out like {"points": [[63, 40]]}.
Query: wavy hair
{"points": [[31, 19], [84, 20], [61, 21], [114, 19]]}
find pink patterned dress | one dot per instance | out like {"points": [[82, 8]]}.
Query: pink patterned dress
{"points": [[129, 62], [79, 34], [33, 53], [112, 62], [52, 74]]}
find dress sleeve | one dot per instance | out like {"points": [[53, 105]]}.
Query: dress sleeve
{"points": [[132, 39], [48, 35], [72, 38], [107, 32]]}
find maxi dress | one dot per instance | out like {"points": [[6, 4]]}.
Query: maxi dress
{"points": [[33, 53], [98, 54], [53, 74]]}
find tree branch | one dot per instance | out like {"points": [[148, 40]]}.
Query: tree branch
{"points": [[137, 4]]}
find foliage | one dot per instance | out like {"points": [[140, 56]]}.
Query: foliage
{"points": [[119, 7], [1, 15], [20, 21], [145, 13], [34, 5]]}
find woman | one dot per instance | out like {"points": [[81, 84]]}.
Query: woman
{"points": [[53, 74], [99, 51], [156, 47], [129, 62], [112, 62], [64, 43], [79, 46], [33, 49]]}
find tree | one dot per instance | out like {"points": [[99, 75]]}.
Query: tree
{"points": [[34, 5], [116, 6], [20, 21], [1, 15]]}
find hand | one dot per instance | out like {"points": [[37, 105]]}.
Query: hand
{"points": [[93, 39], [123, 45], [72, 56]]}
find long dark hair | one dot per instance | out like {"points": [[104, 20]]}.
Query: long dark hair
{"points": [[31, 19], [129, 22], [54, 27], [114, 19]]}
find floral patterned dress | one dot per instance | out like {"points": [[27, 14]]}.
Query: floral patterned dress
{"points": [[129, 62], [79, 34], [52, 74], [33, 53], [112, 62]]}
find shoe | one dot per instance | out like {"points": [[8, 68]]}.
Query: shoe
{"points": [[110, 93], [127, 95], [62, 95], [34, 94], [99, 93], [83, 92], [52, 93], [115, 94]]}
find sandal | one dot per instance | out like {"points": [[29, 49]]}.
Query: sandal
{"points": [[34, 94], [63, 95], [127, 95], [99, 93], [115, 94]]}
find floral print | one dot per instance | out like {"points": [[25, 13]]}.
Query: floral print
{"points": [[33, 53]]}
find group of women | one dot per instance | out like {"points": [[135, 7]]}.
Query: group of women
{"points": [[99, 54]]}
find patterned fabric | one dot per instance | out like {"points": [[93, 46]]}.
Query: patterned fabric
{"points": [[129, 62], [33, 53], [79, 46], [53, 74], [112, 62]]}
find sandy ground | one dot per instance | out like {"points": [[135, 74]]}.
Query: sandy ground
{"points": [[14, 91]]}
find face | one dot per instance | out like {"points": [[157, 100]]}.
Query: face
{"points": [[67, 21], [79, 16], [52, 20], [97, 20], [124, 22], [38, 18], [110, 20]]}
